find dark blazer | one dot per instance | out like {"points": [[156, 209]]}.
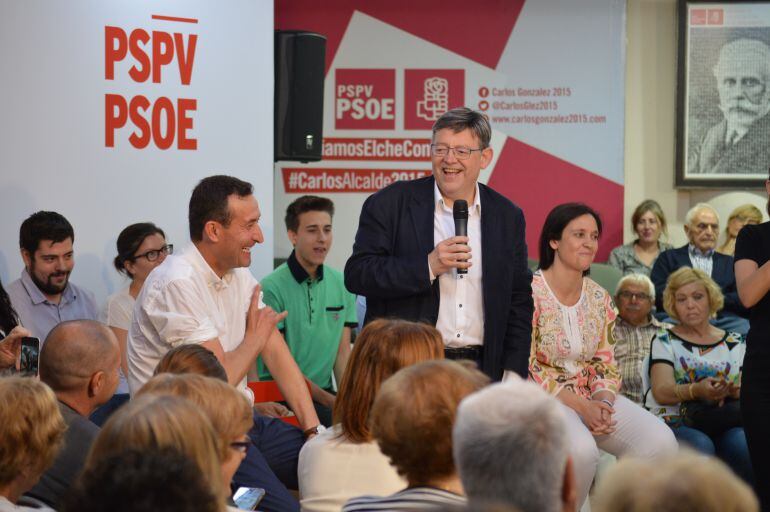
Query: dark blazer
{"points": [[749, 155], [722, 272], [389, 266], [69, 463]]}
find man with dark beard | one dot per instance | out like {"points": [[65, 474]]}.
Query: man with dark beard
{"points": [[43, 295]]}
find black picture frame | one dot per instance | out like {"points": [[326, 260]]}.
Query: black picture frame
{"points": [[706, 156]]}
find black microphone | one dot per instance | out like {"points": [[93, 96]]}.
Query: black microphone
{"points": [[460, 213]]}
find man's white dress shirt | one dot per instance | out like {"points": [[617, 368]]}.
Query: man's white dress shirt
{"points": [[184, 302]]}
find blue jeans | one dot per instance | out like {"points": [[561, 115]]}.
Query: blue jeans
{"points": [[271, 463], [730, 447]]}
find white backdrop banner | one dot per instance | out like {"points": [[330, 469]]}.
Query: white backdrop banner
{"points": [[114, 110]]}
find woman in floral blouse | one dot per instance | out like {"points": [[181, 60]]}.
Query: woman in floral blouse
{"points": [[572, 349]]}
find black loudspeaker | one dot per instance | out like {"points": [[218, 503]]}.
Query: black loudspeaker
{"points": [[300, 61]]}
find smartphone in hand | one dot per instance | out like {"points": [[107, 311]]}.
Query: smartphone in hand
{"points": [[30, 356]]}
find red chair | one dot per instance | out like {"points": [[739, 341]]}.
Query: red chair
{"points": [[268, 391]]}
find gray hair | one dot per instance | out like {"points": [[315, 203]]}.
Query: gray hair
{"points": [[695, 210], [510, 446], [460, 119], [639, 280], [746, 49]]}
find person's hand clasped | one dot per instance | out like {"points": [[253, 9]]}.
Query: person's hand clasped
{"points": [[451, 253], [597, 416], [261, 321], [10, 347], [711, 389]]}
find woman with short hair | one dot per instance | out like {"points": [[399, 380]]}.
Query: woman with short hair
{"points": [[412, 420], [31, 434], [695, 372], [649, 223], [572, 355], [345, 461], [155, 422]]}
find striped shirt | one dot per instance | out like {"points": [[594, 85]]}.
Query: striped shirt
{"points": [[701, 260], [414, 498], [632, 347]]}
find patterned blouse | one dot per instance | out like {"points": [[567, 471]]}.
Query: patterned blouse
{"points": [[572, 346], [624, 258], [692, 363]]}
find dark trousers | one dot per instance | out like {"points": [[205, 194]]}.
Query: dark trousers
{"points": [[755, 409], [271, 463]]}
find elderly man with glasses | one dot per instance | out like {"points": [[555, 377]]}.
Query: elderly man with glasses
{"points": [[634, 329]]}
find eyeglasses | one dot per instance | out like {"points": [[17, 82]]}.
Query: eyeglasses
{"points": [[461, 152], [241, 446], [155, 253], [632, 295]]}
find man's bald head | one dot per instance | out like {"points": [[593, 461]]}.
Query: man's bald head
{"points": [[74, 351]]}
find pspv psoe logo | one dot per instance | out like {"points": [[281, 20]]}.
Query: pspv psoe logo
{"points": [[428, 93], [365, 99]]}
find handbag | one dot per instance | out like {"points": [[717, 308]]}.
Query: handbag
{"points": [[711, 418]]}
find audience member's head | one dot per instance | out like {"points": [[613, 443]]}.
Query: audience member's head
{"points": [[224, 222], [691, 282], [227, 409], [741, 216], [559, 226], [192, 359], [382, 348], [141, 248], [31, 430], [511, 447], [150, 423], [686, 481], [80, 360], [45, 240], [702, 227], [143, 481], [413, 415], [634, 296], [648, 221], [309, 227]]}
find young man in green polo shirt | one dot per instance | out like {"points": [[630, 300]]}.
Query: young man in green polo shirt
{"points": [[321, 310]]}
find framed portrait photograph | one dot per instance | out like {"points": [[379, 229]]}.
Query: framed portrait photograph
{"points": [[723, 104]]}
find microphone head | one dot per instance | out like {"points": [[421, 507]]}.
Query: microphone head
{"points": [[460, 209]]}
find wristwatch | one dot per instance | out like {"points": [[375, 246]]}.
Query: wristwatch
{"points": [[312, 431]]}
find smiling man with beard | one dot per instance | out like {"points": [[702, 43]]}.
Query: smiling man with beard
{"points": [[43, 295], [321, 310], [738, 144]]}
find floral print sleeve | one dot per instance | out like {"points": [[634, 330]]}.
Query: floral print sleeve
{"points": [[602, 368], [573, 347]]}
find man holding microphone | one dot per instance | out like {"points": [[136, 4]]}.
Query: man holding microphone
{"points": [[409, 262]]}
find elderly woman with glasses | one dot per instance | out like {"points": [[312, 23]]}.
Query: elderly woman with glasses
{"points": [[141, 248], [695, 372], [633, 332]]}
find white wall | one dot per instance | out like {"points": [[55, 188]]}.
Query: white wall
{"points": [[52, 141], [651, 122]]}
